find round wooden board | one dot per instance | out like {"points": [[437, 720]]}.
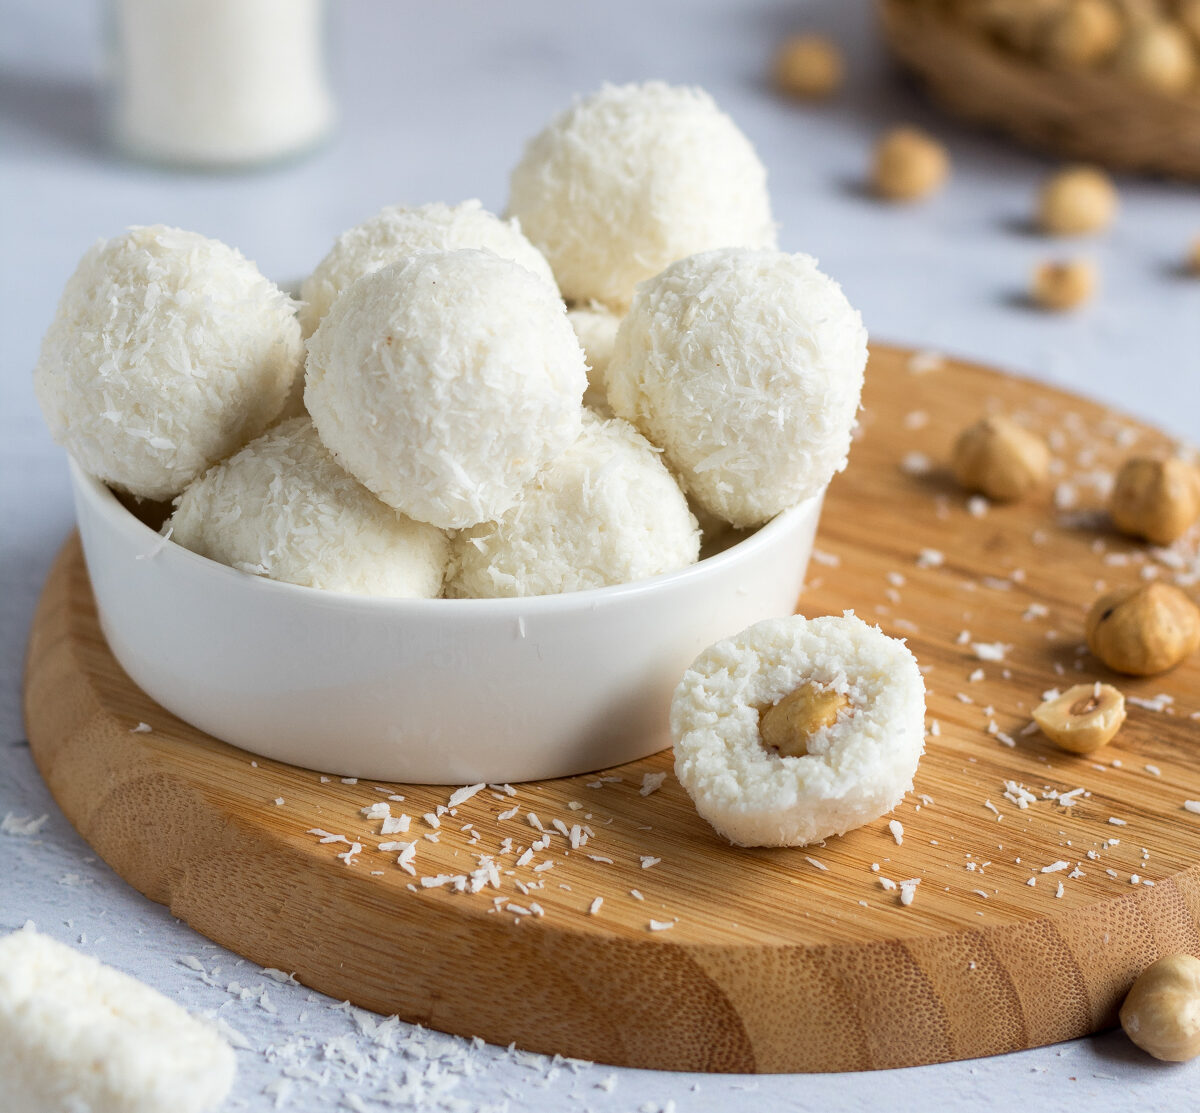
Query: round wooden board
{"points": [[774, 960]]}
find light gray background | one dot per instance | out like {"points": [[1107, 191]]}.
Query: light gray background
{"points": [[436, 100]]}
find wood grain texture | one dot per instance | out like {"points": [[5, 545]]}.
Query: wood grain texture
{"points": [[776, 960]]}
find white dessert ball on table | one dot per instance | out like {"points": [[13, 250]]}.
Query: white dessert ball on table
{"points": [[282, 508], [632, 178], [746, 368], [596, 327], [446, 383], [398, 231], [168, 352], [798, 729], [605, 512]]}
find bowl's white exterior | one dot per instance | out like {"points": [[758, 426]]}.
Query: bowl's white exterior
{"points": [[434, 691]]}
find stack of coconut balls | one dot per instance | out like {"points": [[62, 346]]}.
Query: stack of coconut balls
{"points": [[431, 418]]}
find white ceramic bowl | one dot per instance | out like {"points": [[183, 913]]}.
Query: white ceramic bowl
{"points": [[433, 691]]}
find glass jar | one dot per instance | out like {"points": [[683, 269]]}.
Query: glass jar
{"points": [[218, 83]]}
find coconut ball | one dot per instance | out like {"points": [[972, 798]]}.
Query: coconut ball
{"points": [[797, 729], [168, 352], [596, 328], [605, 512], [398, 231], [631, 179], [746, 368], [446, 383], [282, 508]]}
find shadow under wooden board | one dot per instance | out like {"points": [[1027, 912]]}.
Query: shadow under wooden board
{"points": [[633, 935]]}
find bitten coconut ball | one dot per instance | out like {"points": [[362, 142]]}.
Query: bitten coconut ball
{"points": [[169, 351], [398, 231], [797, 729], [596, 327], [446, 383], [605, 512], [282, 508], [633, 178], [746, 368]]}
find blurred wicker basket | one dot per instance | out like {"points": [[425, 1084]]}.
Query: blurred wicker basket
{"points": [[1080, 114]]}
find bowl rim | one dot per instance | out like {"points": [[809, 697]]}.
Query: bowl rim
{"points": [[104, 501]]}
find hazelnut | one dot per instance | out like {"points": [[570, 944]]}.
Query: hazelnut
{"points": [[787, 725], [1083, 718], [1077, 201], [999, 458], [1082, 33], [1063, 285], [1159, 57], [1144, 630], [808, 67], [1155, 499], [908, 164], [1161, 1013]]}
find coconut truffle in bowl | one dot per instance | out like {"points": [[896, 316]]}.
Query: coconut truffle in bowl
{"points": [[632, 178], [798, 729], [398, 231], [168, 352], [605, 512], [596, 327], [746, 368], [445, 383], [282, 508]]}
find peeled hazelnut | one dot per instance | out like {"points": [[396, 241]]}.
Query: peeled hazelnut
{"points": [[1155, 499], [1144, 630], [1158, 56], [999, 458], [1076, 201], [1063, 285], [1161, 1013], [1083, 718], [787, 725], [908, 164], [808, 67], [1082, 33]]}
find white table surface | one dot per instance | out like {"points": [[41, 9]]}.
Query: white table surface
{"points": [[436, 100]]}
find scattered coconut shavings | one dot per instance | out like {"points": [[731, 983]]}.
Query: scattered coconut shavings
{"points": [[930, 558], [897, 830], [348, 856], [595, 906], [651, 782], [380, 810], [648, 860], [141, 728], [660, 925], [395, 824], [830, 560], [977, 506], [636, 894], [925, 361], [908, 890], [22, 826], [1192, 806], [462, 795], [1118, 822], [1055, 867], [916, 464], [990, 651], [816, 864]]}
